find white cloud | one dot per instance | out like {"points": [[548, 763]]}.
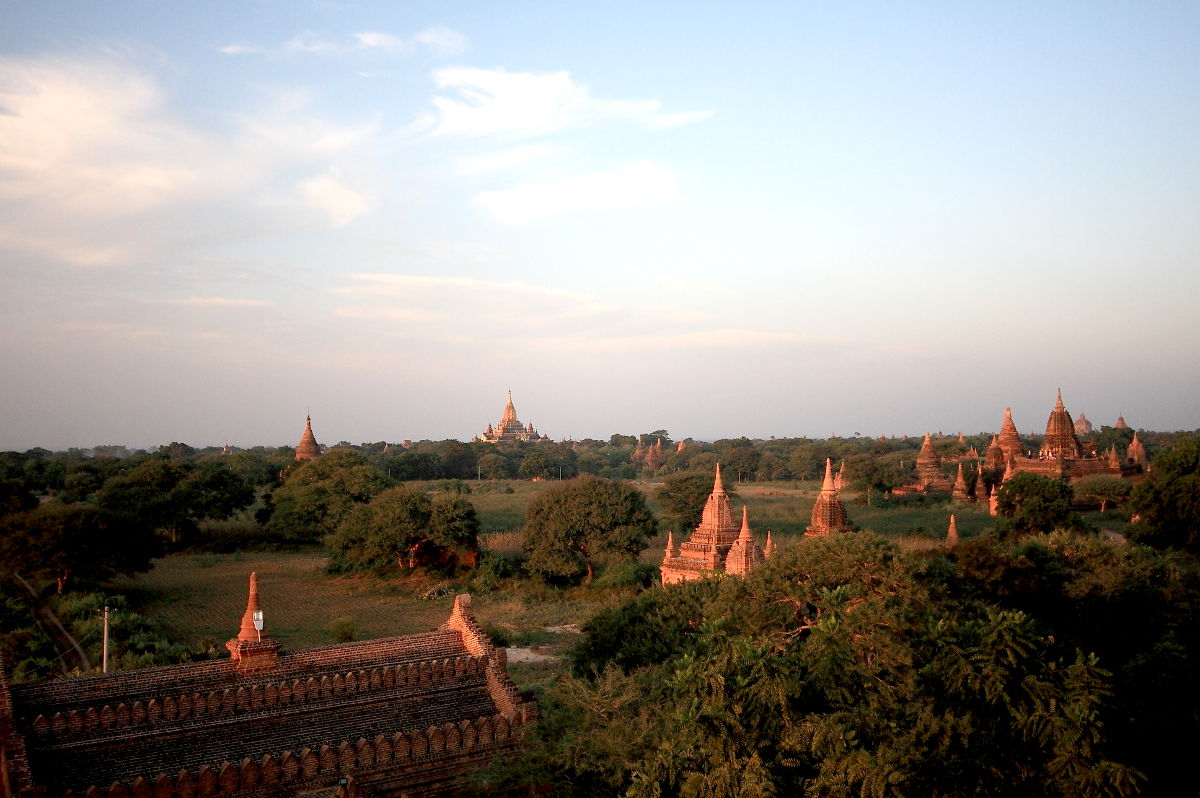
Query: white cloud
{"points": [[97, 168], [442, 41], [485, 102], [333, 196], [240, 49], [383, 41], [625, 189]]}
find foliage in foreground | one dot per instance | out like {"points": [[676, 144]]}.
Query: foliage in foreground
{"points": [[1049, 665]]}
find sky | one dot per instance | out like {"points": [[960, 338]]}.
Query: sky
{"points": [[761, 219]]}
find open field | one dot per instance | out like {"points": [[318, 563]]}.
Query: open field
{"points": [[200, 598]]}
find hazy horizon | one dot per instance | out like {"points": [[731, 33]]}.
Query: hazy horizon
{"points": [[769, 219]]}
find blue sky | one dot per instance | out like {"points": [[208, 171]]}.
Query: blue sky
{"points": [[770, 219]]}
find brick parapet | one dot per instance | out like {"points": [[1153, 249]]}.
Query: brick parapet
{"points": [[14, 764], [477, 642]]}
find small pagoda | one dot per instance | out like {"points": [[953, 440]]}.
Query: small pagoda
{"points": [[828, 513], [307, 448]]}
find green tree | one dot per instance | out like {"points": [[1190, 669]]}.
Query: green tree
{"points": [[80, 542], [384, 531], [454, 529], [316, 496], [1103, 488], [684, 494], [1030, 503], [568, 525], [1168, 502], [494, 465], [535, 465]]}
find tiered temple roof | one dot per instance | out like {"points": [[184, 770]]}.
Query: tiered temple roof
{"points": [[1082, 425], [1010, 440], [828, 514], [708, 550], [745, 553], [415, 714], [1136, 453], [981, 491], [307, 448], [930, 476], [1060, 442], [1120, 423], [509, 429]]}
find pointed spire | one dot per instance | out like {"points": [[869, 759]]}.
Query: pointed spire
{"points": [[307, 448], [769, 549], [670, 550], [952, 533], [248, 630], [827, 484], [1058, 405], [744, 535], [718, 487], [839, 481]]}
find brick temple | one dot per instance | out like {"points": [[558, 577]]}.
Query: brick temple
{"points": [[510, 429], [718, 545], [413, 715], [307, 448]]}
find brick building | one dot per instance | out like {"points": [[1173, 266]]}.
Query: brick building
{"points": [[413, 715]]}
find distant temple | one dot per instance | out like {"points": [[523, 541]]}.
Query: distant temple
{"points": [[828, 513], [307, 448], [647, 457], [1082, 425], [510, 429], [717, 545], [414, 715], [1060, 454], [1120, 423]]}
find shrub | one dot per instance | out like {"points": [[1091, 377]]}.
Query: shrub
{"points": [[342, 630]]}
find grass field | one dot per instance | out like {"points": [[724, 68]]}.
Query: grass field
{"points": [[200, 598]]}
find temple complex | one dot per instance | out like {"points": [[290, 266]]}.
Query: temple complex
{"points": [[828, 514], [403, 716], [510, 429], [647, 457], [307, 448], [1060, 454], [717, 545]]}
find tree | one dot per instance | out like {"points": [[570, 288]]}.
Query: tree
{"points": [[1168, 502], [75, 541], [172, 495], [1103, 488], [402, 527], [570, 524], [494, 466], [316, 496], [1032, 503], [535, 465], [684, 495]]}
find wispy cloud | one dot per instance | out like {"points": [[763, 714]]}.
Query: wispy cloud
{"points": [[625, 189], [96, 163], [223, 302], [487, 102], [438, 42], [507, 159]]}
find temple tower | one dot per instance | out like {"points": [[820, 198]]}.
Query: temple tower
{"points": [[1120, 423], [1060, 442], [1010, 440], [952, 533], [253, 650], [706, 551], [994, 455], [981, 492], [960, 487], [828, 514], [1136, 453], [510, 428], [307, 448], [1082, 425], [929, 468], [745, 553]]}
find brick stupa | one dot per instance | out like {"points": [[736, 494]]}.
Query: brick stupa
{"points": [[708, 549], [307, 448], [1060, 442], [745, 553], [828, 514]]}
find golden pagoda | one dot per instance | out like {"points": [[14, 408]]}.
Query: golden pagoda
{"points": [[509, 429]]}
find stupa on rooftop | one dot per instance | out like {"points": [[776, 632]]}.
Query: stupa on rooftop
{"points": [[715, 545], [510, 429], [828, 513], [307, 448]]}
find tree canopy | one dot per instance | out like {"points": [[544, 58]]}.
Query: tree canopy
{"points": [[1168, 502], [568, 525]]}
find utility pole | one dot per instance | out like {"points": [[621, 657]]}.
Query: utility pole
{"points": [[104, 649]]}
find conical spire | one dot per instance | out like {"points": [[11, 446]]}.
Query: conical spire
{"points": [[248, 630], [744, 535], [1058, 405], [307, 448], [718, 486], [670, 549], [1136, 451], [510, 412], [952, 533], [827, 485], [769, 548]]}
